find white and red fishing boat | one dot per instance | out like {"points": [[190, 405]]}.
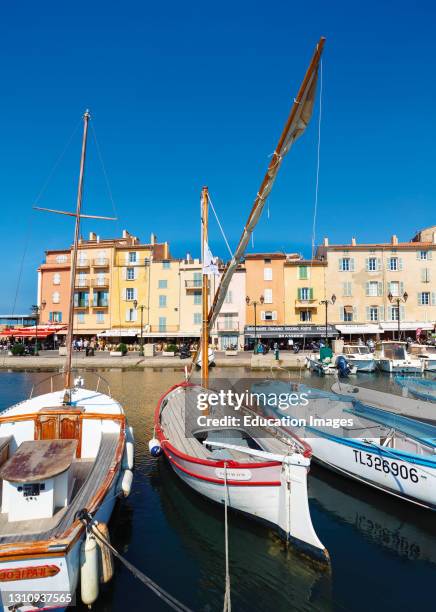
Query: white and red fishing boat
{"points": [[254, 471], [61, 452]]}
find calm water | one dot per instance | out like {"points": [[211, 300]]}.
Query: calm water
{"points": [[383, 551]]}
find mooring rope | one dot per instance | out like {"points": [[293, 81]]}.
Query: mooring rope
{"points": [[227, 601]]}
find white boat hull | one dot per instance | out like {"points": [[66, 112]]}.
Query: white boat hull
{"points": [[398, 367], [362, 365]]}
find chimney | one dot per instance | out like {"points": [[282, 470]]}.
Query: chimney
{"points": [[326, 241], [394, 239], [97, 238], [92, 236], [188, 258], [353, 242], [153, 238], [125, 233]]}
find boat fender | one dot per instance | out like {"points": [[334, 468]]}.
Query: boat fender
{"points": [[155, 447], [89, 578], [106, 560], [129, 450], [126, 483]]}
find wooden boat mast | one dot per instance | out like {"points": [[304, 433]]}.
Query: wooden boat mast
{"points": [[67, 367], [205, 289]]}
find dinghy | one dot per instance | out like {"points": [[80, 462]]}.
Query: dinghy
{"points": [[60, 452], [386, 451], [261, 475], [423, 388]]}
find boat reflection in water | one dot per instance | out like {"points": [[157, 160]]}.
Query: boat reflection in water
{"points": [[262, 569], [385, 522]]}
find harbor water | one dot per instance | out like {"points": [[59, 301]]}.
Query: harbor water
{"points": [[383, 551]]}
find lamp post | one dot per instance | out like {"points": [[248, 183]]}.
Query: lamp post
{"points": [[255, 303], [35, 309], [141, 344], [326, 303], [397, 301]]}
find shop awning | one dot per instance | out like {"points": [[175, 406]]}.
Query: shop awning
{"points": [[408, 325], [359, 329], [42, 331], [290, 331]]}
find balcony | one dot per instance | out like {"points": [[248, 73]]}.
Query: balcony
{"points": [[82, 263], [164, 328], [100, 262], [227, 326], [102, 281], [100, 304], [81, 305], [82, 283], [196, 284]]}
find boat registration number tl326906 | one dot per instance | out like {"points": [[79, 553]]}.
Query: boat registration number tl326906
{"points": [[232, 474], [388, 467]]}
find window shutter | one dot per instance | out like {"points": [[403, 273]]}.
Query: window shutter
{"points": [[135, 293], [341, 313], [379, 263], [381, 313], [126, 256], [127, 314], [418, 255], [340, 265], [367, 288], [124, 294], [388, 263], [138, 257], [351, 264], [344, 288], [429, 255], [402, 313], [419, 298], [368, 314], [274, 315], [367, 264], [134, 315], [135, 273], [423, 275], [433, 298], [401, 288], [311, 293], [262, 315], [354, 313], [380, 288], [299, 293], [124, 273], [400, 263], [428, 275]]}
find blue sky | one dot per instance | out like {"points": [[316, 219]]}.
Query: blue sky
{"points": [[193, 93]]}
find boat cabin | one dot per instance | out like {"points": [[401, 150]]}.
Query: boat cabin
{"points": [[356, 349], [391, 350]]}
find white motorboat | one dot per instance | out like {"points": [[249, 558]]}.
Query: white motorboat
{"points": [[392, 357], [426, 353], [359, 356]]}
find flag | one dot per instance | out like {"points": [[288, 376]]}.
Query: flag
{"points": [[210, 266]]}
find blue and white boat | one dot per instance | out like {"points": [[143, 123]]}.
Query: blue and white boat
{"points": [[423, 388], [386, 451], [359, 356]]}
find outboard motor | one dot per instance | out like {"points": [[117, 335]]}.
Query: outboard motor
{"points": [[343, 367]]}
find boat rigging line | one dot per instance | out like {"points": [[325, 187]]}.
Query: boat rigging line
{"points": [[91, 526], [227, 607]]}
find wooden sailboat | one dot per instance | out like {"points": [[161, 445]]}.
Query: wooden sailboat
{"points": [[254, 472], [60, 452]]}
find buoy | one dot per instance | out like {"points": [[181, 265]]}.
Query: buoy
{"points": [[89, 579], [155, 447], [106, 561], [125, 483], [129, 450]]}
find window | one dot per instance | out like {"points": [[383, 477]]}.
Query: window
{"points": [[229, 297], [348, 313], [130, 274], [133, 257], [267, 260], [395, 288], [268, 315], [61, 258], [395, 313], [166, 265], [101, 298], [81, 299], [267, 294], [162, 284], [56, 297], [56, 279], [347, 289], [198, 280], [162, 301], [303, 272], [55, 317], [197, 318], [423, 255], [267, 274], [424, 298], [372, 264], [373, 313], [393, 264], [305, 294], [373, 288], [131, 314], [346, 264], [425, 275], [80, 317], [197, 297], [305, 316], [100, 317], [130, 293], [162, 324]]}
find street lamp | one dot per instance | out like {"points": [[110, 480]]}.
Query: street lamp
{"points": [[254, 303], [397, 301], [141, 308], [326, 303], [35, 309]]}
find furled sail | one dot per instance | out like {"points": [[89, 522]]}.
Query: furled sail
{"points": [[299, 117]]}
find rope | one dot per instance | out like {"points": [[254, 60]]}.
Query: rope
{"points": [[317, 162], [171, 601], [220, 226], [227, 602]]}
